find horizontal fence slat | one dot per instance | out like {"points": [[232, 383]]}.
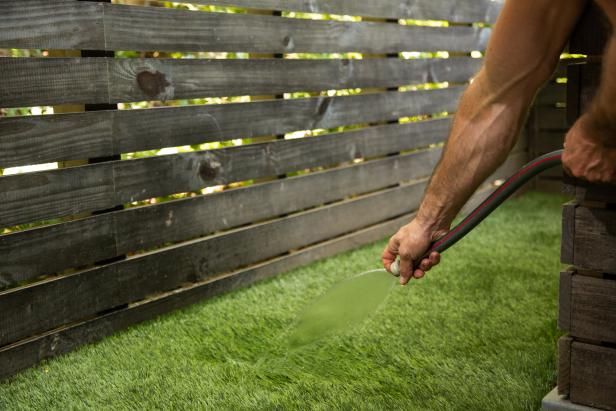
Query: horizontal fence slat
{"points": [[154, 28], [40, 81], [42, 306], [31, 253], [56, 193], [40, 139], [462, 11], [88, 25], [58, 24]]}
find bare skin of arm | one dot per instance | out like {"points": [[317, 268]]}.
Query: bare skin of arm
{"points": [[522, 54], [590, 145]]}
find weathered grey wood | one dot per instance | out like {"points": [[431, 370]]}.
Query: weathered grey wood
{"points": [[36, 139], [48, 138], [549, 185], [153, 28], [514, 162], [562, 68], [551, 118], [58, 24], [54, 193], [573, 92], [583, 81], [590, 77], [45, 195], [592, 308], [72, 24], [38, 81], [547, 126], [452, 10], [44, 139], [591, 33], [552, 94], [564, 301], [594, 241], [24, 354], [55, 302], [587, 192], [593, 375], [545, 141], [32, 253], [589, 37], [568, 232], [555, 173], [564, 365]]}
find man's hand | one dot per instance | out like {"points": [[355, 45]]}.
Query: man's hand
{"points": [[410, 243], [587, 153]]}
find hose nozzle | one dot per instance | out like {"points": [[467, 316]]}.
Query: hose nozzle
{"points": [[394, 268]]}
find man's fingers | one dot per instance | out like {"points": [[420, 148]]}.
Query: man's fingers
{"points": [[418, 273], [435, 257], [389, 253], [425, 265], [406, 268], [387, 259]]}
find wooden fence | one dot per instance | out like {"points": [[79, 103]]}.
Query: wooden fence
{"points": [[89, 262]]}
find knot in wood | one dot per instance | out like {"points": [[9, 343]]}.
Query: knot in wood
{"points": [[207, 172], [288, 43], [152, 83]]}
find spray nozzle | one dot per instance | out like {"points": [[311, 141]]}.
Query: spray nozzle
{"points": [[394, 268]]}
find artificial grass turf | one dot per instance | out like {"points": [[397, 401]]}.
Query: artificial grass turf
{"points": [[478, 333]]}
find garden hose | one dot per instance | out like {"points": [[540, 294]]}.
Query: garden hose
{"points": [[488, 205]]}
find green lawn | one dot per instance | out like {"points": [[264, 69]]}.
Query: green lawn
{"points": [[478, 333]]}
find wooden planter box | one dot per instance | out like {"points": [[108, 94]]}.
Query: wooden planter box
{"points": [[587, 310]]}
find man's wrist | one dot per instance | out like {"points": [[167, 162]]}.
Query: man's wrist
{"points": [[432, 224]]}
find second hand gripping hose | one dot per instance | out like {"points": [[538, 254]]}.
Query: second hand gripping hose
{"points": [[488, 205]]}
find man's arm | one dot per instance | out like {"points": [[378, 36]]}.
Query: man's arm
{"points": [[522, 54]]}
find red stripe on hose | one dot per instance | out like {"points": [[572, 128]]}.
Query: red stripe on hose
{"points": [[491, 198]]}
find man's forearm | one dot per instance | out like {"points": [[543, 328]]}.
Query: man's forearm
{"points": [[485, 129], [522, 53], [521, 56]]}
